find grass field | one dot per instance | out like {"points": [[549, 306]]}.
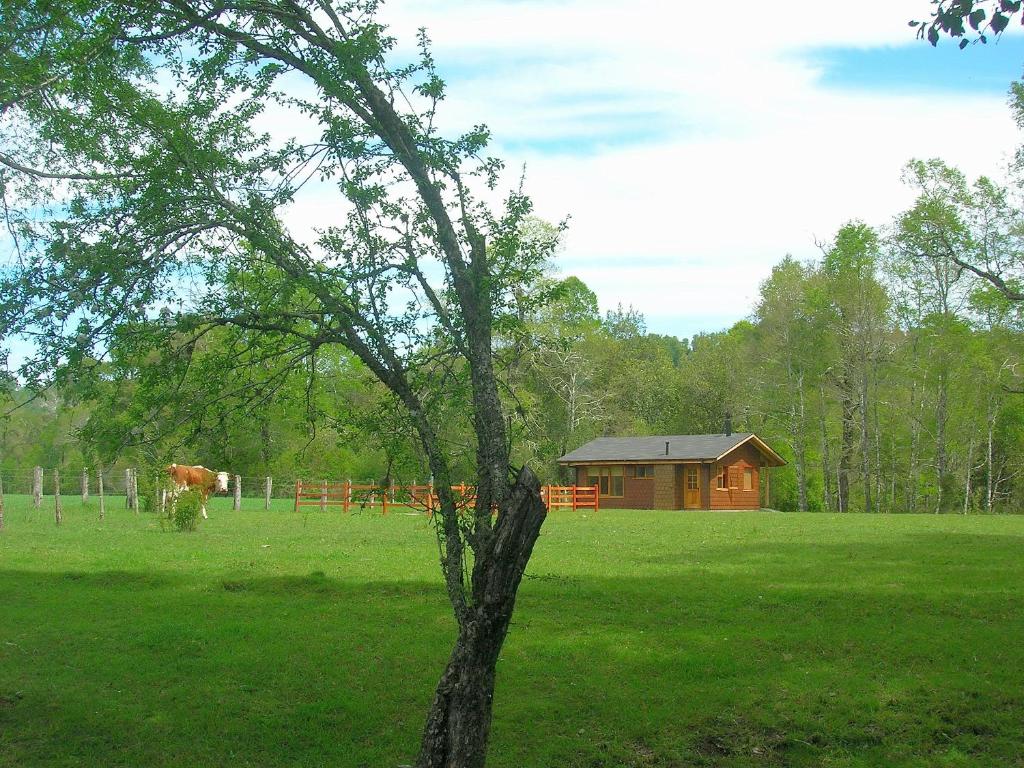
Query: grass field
{"points": [[641, 639]]}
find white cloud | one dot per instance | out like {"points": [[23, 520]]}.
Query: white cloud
{"points": [[712, 145]]}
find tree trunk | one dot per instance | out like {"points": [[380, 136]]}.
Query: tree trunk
{"points": [[848, 415], [459, 722], [967, 478], [915, 439], [879, 470], [865, 446], [990, 485], [799, 446], [940, 442], [826, 461]]}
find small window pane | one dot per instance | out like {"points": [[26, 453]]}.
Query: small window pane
{"points": [[604, 484], [748, 479], [616, 471], [617, 485]]}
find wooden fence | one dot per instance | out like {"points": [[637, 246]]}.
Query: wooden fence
{"points": [[323, 494], [571, 497], [348, 496]]}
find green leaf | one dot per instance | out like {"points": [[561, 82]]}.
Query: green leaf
{"points": [[933, 36], [999, 22], [976, 18]]}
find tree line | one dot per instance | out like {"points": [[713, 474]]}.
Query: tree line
{"points": [[885, 372]]}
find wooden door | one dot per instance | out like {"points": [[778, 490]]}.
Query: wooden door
{"points": [[691, 487]]}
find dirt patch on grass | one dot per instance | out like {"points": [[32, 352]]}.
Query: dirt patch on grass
{"points": [[740, 741]]}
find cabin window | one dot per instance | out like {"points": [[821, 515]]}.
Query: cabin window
{"points": [[644, 471], [607, 479], [748, 479], [691, 479], [723, 478]]}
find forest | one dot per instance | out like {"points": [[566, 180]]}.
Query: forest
{"points": [[885, 372]]}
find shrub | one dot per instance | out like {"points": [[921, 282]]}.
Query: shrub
{"points": [[184, 513]]}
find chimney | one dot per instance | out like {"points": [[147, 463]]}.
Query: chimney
{"points": [[728, 424], [666, 447]]}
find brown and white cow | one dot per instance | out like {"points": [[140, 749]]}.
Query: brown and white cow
{"points": [[185, 478]]}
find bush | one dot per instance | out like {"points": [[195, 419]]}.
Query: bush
{"points": [[184, 513]]}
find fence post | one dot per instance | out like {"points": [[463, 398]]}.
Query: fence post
{"points": [[323, 495], [135, 490], [37, 487], [347, 491], [267, 489], [128, 488], [85, 485], [597, 498], [298, 492], [574, 501], [238, 493], [57, 510], [99, 488], [384, 500]]}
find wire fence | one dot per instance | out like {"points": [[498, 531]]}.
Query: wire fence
{"points": [[124, 482], [116, 481]]}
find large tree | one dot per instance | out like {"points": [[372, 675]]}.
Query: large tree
{"points": [[151, 154]]}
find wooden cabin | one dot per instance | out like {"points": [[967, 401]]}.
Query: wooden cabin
{"points": [[677, 471]]}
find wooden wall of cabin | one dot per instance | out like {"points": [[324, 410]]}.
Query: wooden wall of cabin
{"points": [[637, 492], [665, 486], [743, 459]]}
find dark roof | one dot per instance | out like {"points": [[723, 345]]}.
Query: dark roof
{"points": [[680, 448]]}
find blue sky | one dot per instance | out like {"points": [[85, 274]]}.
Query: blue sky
{"points": [[916, 66], [690, 159]]}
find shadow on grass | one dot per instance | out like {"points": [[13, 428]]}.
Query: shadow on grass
{"points": [[771, 663]]}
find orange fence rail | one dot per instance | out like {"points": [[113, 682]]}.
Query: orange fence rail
{"points": [[349, 496], [572, 497]]}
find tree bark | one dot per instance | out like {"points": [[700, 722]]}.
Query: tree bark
{"points": [[967, 475], [826, 460], [915, 439], [848, 414], [989, 479], [458, 724], [797, 428], [941, 414], [865, 446]]}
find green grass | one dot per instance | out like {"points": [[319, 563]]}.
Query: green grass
{"points": [[641, 639]]}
